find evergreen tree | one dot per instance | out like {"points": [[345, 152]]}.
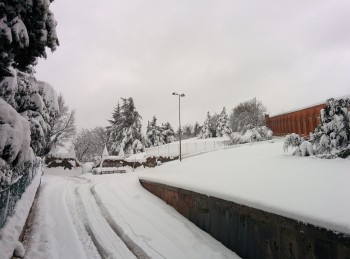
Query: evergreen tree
{"points": [[196, 129], [223, 126], [154, 135], [125, 130], [168, 133], [206, 128], [26, 29], [332, 136], [187, 131], [213, 125], [114, 130]]}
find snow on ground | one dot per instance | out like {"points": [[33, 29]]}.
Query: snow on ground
{"points": [[111, 216], [260, 175], [10, 233]]}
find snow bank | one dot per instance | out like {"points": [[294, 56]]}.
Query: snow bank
{"points": [[10, 233], [260, 175]]}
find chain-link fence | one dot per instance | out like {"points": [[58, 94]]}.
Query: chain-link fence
{"points": [[13, 193]]}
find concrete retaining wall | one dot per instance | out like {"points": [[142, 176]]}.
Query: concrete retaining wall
{"points": [[252, 233]]}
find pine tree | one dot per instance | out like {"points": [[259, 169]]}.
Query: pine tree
{"points": [[27, 28], [125, 130], [196, 129], [333, 134], [114, 131], [213, 125], [168, 133], [206, 128], [223, 126]]}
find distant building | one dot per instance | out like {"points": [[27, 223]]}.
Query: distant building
{"points": [[65, 160], [302, 121]]}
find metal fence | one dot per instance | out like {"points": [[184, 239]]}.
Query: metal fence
{"points": [[13, 193], [187, 148]]}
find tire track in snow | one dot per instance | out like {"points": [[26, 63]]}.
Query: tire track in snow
{"points": [[102, 236], [156, 253], [82, 212], [133, 247]]}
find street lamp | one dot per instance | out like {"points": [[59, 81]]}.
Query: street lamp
{"points": [[180, 95]]}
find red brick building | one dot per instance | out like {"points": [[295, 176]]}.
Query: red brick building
{"points": [[301, 121]]}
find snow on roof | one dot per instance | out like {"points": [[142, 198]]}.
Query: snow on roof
{"points": [[105, 151], [63, 155], [112, 158], [306, 107], [139, 157]]}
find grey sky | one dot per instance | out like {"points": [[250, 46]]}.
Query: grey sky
{"points": [[219, 53]]}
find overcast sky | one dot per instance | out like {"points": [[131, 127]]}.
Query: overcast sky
{"points": [[288, 54]]}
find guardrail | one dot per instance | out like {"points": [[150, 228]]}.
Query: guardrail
{"points": [[187, 148], [13, 193]]}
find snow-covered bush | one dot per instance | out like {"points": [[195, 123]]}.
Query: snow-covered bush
{"points": [[251, 135], [236, 138], [292, 140]]}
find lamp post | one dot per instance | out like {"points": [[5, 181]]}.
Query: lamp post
{"points": [[180, 95]]}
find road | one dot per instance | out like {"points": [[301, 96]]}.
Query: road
{"points": [[111, 216]]}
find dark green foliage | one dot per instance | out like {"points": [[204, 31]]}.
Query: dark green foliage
{"points": [[40, 25]]}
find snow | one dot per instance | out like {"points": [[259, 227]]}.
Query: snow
{"points": [[139, 157], [5, 30], [38, 102], [19, 32], [10, 233], [262, 176], [111, 216], [14, 134], [49, 96], [8, 87], [105, 152], [189, 147], [87, 168]]}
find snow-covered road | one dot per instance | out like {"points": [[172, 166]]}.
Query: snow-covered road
{"points": [[111, 216]]}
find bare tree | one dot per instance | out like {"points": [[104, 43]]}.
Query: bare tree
{"points": [[63, 127], [247, 114], [89, 144]]}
